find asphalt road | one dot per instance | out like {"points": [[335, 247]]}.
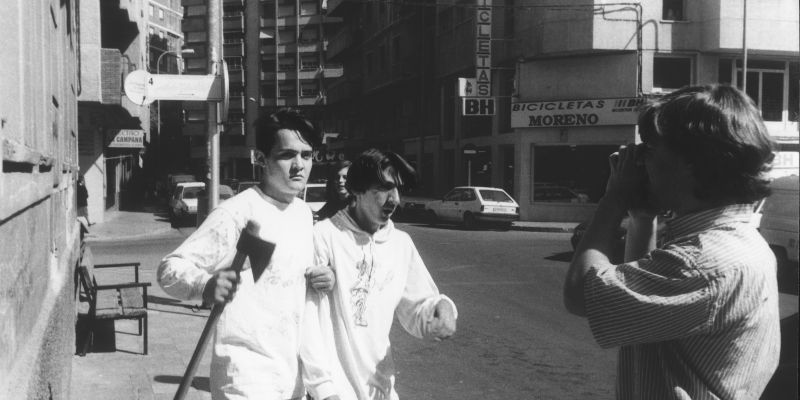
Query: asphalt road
{"points": [[514, 338]]}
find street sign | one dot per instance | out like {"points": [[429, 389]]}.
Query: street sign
{"points": [[466, 87], [469, 149], [125, 138], [478, 106], [143, 88]]}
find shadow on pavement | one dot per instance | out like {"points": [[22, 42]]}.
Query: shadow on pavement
{"points": [[199, 382]]}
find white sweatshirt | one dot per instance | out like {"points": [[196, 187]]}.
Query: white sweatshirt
{"points": [[377, 277], [257, 337]]}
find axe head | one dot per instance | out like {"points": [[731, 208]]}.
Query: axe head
{"points": [[258, 250]]}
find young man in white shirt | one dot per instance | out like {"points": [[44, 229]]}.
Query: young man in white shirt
{"points": [[255, 353], [379, 275]]}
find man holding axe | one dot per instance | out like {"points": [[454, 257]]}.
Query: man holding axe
{"points": [[255, 351]]}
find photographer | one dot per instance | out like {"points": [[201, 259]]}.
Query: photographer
{"points": [[697, 317]]}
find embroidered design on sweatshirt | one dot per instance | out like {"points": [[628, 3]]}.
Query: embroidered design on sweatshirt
{"points": [[359, 292]]}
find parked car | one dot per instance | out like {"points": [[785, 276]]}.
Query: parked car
{"points": [[471, 205], [184, 200], [225, 193], [550, 193], [779, 226], [241, 186], [171, 181], [314, 195]]}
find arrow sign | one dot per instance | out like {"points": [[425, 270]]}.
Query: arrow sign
{"points": [[142, 87]]}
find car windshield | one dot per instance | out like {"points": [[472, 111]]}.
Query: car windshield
{"points": [[315, 194], [495, 195], [191, 192]]}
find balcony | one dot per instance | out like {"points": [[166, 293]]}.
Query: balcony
{"points": [[233, 49], [342, 41], [333, 70], [111, 75], [236, 104], [233, 23], [236, 76], [342, 7]]}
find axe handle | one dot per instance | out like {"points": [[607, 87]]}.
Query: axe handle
{"points": [[200, 349]]}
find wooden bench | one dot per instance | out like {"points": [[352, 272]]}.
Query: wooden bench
{"points": [[111, 302]]}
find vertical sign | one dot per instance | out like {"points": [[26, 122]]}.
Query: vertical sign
{"points": [[483, 48]]}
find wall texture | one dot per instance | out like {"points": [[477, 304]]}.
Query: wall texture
{"points": [[39, 236]]}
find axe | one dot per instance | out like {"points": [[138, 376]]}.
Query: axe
{"points": [[259, 251]]}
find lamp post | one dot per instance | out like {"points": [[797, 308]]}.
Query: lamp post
{"points": [[158, 71]]}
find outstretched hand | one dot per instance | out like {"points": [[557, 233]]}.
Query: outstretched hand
{"points": [[221, 287], [443, 324]]}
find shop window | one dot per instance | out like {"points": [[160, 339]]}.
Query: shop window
{"points": [[670, 73], [570, 174], [766, 88], [672, 10]]}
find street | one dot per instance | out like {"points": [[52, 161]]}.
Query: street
{"points": [[514, 338]]}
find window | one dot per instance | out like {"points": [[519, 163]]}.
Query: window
{"points": [[672, 10], [570, 174], [309, 62], [309, 89], [287, 90], [670, 73], [193, 11], [368, 64], [152, 10], [161, 13], [765, 87], [234, 63]]}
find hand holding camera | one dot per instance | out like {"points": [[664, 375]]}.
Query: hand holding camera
{"points": [[627, 186]]}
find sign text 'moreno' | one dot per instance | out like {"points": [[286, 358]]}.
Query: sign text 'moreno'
{"points": [[543, 114]]}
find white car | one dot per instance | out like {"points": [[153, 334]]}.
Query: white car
{"points": [[313, 195], [470, 205], [184, 199]]}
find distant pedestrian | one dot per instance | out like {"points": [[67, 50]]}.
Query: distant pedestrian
{"points": [[255, 354], [336, 194], [83, 200], [380, 276], [696, 318]]}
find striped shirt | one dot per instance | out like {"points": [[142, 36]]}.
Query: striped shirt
{"points": [[696, 318]]}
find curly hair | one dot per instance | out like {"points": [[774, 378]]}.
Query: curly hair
{"points": [[718, 130], [267, 125], [368, 170]]}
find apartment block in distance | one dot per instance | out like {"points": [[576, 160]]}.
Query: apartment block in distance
{"points": [[275, 55]]}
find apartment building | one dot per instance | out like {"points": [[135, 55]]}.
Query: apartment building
{"points": [[275, 56], [167, 149], [39, 232], [542, 62]]}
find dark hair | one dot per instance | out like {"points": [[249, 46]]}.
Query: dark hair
{"points": [[331, 190], [367, 170], [267, 125], [718, 130]]}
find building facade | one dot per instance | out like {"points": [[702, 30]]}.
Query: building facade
{"points": [[39, 232], [167, 149], [565, 79], [275, 56], [112, 129]]}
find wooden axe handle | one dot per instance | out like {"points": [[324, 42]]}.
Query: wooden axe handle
{"points": [[200, 349]]}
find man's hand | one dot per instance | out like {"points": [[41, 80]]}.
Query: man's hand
{"points": [[221, 287], [321, 278], [627, 184], [443, 324]]}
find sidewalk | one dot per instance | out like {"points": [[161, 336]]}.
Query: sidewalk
{"points": [[121, 225]]}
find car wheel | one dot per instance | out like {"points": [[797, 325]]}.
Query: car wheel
{"points": [[469, 221], [431, 217]]}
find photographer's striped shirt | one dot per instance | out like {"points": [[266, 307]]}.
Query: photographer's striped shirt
{"points": [[696, 318]]}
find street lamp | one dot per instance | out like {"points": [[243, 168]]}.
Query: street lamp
{"points": [[158, 71]]}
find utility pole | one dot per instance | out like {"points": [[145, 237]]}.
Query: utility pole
{"points": [[214, 112], [744, 48]]}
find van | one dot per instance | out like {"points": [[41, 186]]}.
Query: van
{"points": [[780, 219]]}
